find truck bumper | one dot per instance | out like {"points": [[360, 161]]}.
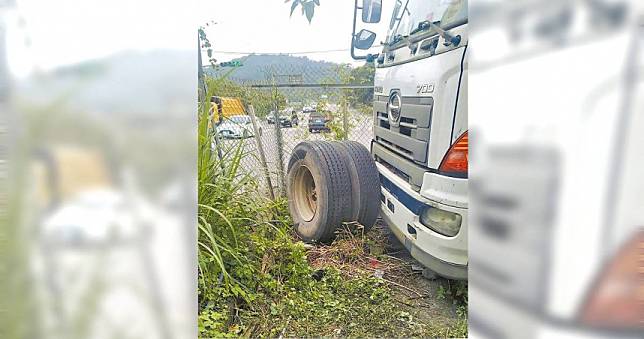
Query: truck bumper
{"points": [[401, 207], [442, 268]]}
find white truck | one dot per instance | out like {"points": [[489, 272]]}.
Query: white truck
{"points": [[420, 141], [556, 216], [416, 173]]}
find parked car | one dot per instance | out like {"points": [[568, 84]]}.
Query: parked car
{"points": [[289, 120], [308, 109], [319, 122], [270, 119], [286, 120], [236, 127]]}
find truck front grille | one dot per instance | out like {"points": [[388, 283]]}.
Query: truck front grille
{"points": [[410, 139]]}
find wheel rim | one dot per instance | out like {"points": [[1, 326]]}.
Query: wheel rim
{"points": [[305, 193]]}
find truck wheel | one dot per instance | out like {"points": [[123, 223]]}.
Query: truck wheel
{"points": [[365, 183], [319, 190]]}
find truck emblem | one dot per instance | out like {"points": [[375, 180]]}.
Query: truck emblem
{"points": [[393, 108]]}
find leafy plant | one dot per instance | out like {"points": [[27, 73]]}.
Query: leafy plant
{"points": [[308, 7]]}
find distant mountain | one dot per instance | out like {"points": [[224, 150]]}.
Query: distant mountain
{"points": [[286, 68], [159, 82]]}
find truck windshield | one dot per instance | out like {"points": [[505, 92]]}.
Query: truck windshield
{"points": [[409, 13]]}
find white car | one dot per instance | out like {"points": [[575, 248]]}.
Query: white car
{"points": [[236, 127]]}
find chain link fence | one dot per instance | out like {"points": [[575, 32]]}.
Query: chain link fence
{"points": [[286, 106]]}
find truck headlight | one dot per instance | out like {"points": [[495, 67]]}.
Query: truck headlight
{"points": [[443, 222]]}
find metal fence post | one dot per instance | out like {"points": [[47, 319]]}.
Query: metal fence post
{"points": [[260, 148], [280, 141], [345, 119]]}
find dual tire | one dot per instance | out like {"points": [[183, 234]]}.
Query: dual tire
{"points": [[330, 183]]}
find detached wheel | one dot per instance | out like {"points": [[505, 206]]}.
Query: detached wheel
{"points": [[365, 183], [319, 190]]}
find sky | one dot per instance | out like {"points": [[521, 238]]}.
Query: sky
{"points": [[265, 26], [43, 35]]}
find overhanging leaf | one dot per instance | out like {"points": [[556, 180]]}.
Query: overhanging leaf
{"points": [[294, 5], [309, 8]]}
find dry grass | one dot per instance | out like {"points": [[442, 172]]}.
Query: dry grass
{"points": [[356, 253]]}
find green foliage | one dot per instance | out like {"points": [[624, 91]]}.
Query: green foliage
{"points": [[338, 132], [358, 98], [308, 7], [455, 290], [362, 75]]}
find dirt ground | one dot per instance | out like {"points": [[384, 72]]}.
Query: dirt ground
{"points": [[426, 303], [431, 302]]}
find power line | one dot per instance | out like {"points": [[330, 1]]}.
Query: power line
{"points": [[271, 53]]}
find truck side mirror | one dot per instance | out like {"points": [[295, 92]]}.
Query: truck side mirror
{"points": [[371, 10], [364, 39]]}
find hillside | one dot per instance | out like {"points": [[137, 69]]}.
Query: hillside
{"points": [[259, 67]]}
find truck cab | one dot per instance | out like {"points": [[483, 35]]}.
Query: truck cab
{"points": [[420, 139]]}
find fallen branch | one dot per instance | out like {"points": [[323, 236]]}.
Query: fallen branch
{"points": [[402, 286]]}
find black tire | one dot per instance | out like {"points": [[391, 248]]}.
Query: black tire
{"points": [[365, 182], [319, 210]]}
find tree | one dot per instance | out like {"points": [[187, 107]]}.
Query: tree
{"points": [[362, 75]]}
